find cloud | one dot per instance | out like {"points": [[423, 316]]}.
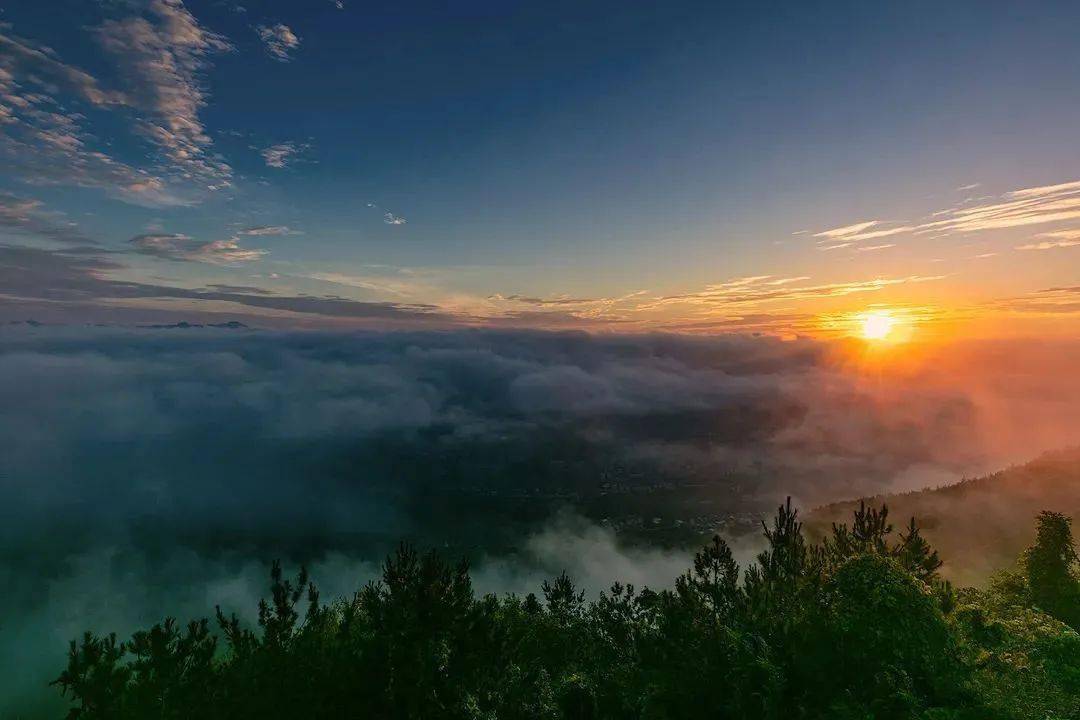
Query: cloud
{"points": [[279, 39], [40, 66], [970, 186], [328, 448], [183, 247], [261, 230], [1055, 301], [1048, 245], [400, 282], [1073, 234], [246, 289], [391, 219], [72, 283], [871, 248], [162, 54], [1048, 190], [1057, 239], [859, 231], [281, 154], [547, 302], [44, 140], [27, 216], [847, 230], [760, 289], [1019, 208]]}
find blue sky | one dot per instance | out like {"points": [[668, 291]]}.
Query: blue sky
{"points": [[604, 165]]}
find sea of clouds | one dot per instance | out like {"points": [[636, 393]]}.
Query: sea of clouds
{"points": [[147, 472]]}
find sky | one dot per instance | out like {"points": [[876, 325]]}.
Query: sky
{"points": [[783, 168]]}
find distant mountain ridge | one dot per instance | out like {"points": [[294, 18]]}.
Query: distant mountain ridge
{"points": [[982, 524]]}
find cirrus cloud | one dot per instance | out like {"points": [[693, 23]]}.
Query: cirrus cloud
{"points": [[279, 39]]}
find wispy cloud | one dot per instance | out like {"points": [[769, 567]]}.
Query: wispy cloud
{"points": [[845, 231], [268, 230], [388, 217], [279, 39], [174, 246], [971, 186], [763, 289], [40, 65], [1054, 301], [1067, 187], [281, 154], [868, 230], [162, 54], [1057, 239], [43, 138], [1025, 207], [28, 216], [399, 282], [1019, 208]]}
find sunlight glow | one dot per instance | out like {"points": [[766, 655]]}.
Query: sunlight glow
{"points": [[877, 325]]}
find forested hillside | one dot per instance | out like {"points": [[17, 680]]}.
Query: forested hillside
{"points": [[979, 525], [857, 626]]}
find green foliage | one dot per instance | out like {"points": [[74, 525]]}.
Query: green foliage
{"points": [[1051, 565], [857, 627], [870, 533]]}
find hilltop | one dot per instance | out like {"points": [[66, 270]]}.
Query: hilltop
{"points": [[980, 524]]}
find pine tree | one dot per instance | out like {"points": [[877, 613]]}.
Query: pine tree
{"points": [[1051, 565]]}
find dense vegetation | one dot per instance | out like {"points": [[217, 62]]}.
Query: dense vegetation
{"points": [[980, 524], [857, 626]]}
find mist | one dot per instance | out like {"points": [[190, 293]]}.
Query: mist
{"points": [[153, 472]]}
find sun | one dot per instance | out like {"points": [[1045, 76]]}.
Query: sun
{"points": [[877, 325]]}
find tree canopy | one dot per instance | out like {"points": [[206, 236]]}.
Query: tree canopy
{"points": [[858, 626]]}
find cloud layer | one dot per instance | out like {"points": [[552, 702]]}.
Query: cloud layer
{"points": [[154, 471]]}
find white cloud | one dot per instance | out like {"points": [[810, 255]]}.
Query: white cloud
{"points": [[391, 219], [843, 232], [860, 231], [1066, 187], [45, 141], [1019, 208], [763, 289], [281, 154], [280, 40], [162, 54]]}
